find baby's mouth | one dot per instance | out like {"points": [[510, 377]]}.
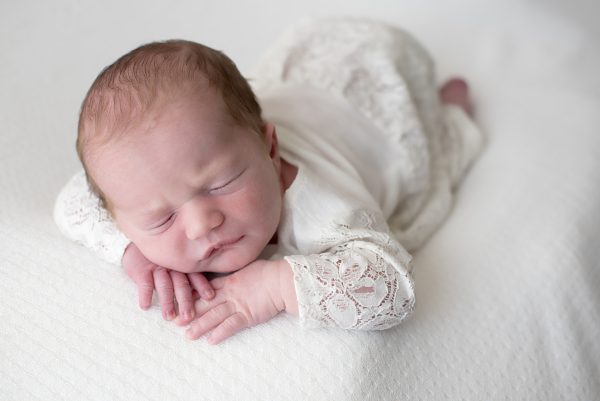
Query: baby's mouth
{"points": [[211, 252], [219, 246]]}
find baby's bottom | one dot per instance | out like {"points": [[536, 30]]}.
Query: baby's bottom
{"points": [[456, 91]]}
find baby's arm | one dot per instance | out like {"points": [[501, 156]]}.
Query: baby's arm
{"points": [[362, 284], [81, 218]]}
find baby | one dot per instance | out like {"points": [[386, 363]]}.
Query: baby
{"points": [[305, 201]]}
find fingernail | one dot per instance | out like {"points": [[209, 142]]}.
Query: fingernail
{"points": [[171, 315], [189, 334], [187, 315], [209, 293]]}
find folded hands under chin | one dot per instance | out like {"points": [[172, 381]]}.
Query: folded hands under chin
{"points": [[176, 291], [246, 298], [222, 306]]}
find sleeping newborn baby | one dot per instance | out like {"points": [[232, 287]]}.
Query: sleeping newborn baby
{"points": [[309, 200]]}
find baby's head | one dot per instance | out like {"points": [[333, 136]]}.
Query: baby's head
{"points": [[172, 140]]}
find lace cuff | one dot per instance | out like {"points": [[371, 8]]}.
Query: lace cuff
{"points": [[80, 217], [358, 285]]}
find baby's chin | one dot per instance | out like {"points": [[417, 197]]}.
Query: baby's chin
{"points": [[225, 261]]}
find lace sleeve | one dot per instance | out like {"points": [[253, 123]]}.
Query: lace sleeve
{"points": [[363, 284], [80, 217]]}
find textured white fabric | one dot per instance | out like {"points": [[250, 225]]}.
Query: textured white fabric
{"points": [[80, 217], [508, 303], [368, 136], [384, 74]]}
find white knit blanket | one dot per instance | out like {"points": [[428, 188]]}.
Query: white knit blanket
{"points": [[508, 305]]}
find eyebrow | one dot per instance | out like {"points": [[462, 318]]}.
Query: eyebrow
{"points": [[154, 212]]}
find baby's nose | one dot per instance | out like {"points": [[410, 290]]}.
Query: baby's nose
{"points": [[199, 221]]}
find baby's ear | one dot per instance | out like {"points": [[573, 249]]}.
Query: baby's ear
{"points": [[270, 138]]}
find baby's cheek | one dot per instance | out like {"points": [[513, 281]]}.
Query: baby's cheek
{"points": [[158, 251], [173, 251], [261, 207]]}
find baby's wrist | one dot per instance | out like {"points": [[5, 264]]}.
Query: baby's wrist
{"points": [[287, 288]]}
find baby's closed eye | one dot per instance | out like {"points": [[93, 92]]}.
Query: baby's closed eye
{"points": [[162, 225], [223, 187]]}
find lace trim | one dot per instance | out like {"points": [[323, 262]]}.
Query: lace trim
{"points": [[362, 283], [79, 216]]}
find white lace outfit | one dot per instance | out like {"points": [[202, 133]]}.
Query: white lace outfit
{"points": [[356, 108]]}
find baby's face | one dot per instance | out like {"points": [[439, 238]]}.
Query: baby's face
{"points": [[194, 192]]}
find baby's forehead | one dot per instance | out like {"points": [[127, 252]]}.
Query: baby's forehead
{"points": [[173, 121], [199, 118], [167, 108]]}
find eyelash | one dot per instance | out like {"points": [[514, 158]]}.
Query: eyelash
{"points": [[228, 182], [221, 187], [166, 221]]}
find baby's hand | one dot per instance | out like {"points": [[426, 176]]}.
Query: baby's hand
{"points": [[170, 285], [248, 297]]}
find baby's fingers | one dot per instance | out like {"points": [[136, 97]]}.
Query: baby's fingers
{"points": [[209, 320], [229, 327], [183, 294], [145, 290], [164, 288], [202, 285]]}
